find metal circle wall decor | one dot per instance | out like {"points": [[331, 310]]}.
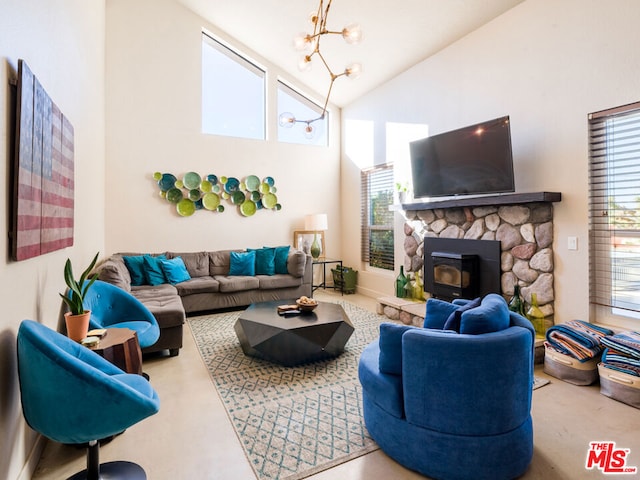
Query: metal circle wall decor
{"points": [[210, 192]]}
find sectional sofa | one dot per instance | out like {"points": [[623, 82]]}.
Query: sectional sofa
{"points": [[212, 281]]}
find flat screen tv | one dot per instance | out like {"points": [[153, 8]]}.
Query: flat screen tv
{"points": [[468, 161]]}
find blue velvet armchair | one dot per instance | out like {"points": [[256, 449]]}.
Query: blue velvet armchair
{"points": [[72, 395], [112, 307], [453, 405]]}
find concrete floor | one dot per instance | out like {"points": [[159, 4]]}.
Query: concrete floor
{"points": [[192, 438]]}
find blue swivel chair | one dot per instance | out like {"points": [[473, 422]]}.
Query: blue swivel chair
{"points": [[72, 395], [112, 307], [453, 405]]}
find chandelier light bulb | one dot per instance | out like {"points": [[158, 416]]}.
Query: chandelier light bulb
{"points": [[309, 131], [352, 34], [354, 70], [286, 120], [313, 18], [304, 64], [302, 41]]}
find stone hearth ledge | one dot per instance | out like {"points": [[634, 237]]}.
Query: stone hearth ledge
{"points": [[409, 312]]}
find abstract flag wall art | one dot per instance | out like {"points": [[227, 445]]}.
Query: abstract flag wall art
{"points": [[43, 172]]}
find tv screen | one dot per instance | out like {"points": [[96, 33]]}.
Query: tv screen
{"points": [[472, 160]]}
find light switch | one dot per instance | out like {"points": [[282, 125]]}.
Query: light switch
{"points": [[572, 243]]}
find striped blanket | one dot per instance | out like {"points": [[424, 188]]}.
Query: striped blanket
{"points": [[621, 362], [577, 339], [622, 352], [625, 342]]}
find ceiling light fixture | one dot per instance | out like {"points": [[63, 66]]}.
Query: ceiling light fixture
{"points": [[352, 34]]}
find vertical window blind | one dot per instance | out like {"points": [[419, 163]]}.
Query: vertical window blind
{"points": [[614, 210], [377, 244]]}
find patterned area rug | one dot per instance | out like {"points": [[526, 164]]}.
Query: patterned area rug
{"points": [[539, 382], [291, 422]]}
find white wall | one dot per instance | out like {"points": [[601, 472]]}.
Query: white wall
{"points": [[62, 41], [153, 124], [545, 63]]}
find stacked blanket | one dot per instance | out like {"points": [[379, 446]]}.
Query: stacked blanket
{"points": [[622, 352], [578, 339]]}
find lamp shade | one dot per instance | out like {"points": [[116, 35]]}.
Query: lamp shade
{"points": [[316, 222]]}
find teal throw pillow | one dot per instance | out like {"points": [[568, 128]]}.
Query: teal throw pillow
{"points": [[175, 270], [282, 254], [153, 269], [135, 265], [390, 342], [453, 322], [438, 311], [242, 263], [491, 316], [265, 260]]}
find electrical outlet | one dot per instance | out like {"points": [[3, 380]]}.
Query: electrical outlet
{"points": [[572, 243]]}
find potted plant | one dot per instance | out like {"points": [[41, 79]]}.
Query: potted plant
{"points": [[77, 318], [403, 190]]}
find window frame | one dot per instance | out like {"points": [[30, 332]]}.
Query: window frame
{"points": [[242, 59], [612, 154], [308, 102]]}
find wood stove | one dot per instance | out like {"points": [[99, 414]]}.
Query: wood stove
{"points": [[455, 275], [461, 268]]}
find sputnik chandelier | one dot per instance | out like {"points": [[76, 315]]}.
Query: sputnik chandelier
{"points": [[352, 34]]}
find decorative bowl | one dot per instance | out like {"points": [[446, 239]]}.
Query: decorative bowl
{"points": [[306, 307]]}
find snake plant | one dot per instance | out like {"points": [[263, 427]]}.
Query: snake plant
{"points": [[78, 288]]}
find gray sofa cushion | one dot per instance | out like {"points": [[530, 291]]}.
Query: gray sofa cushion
{"points": [[149, 291], [296, 263], [114, 271], [163, 302], [198, 285], [268, 282], [237, 283], [167, 309], [197, 263], [219, 262]]}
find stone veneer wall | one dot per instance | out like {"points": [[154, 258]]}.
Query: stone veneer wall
{"points": [[525, 232]]}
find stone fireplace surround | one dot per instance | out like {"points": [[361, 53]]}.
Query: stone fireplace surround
{"points": [[523, 223]]}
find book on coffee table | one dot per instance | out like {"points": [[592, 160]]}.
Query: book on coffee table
{"points": [[288, 310]]}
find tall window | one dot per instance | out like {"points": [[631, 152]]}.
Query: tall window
{"points": [[614, 180], [233, 92], [377, 220], [290, 100]]}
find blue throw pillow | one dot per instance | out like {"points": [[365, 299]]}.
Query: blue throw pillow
{"points": [[453, 322], [135, 265], [153, 269], [491, 316], [390, 342], [437, 313], [265, 260], [282, 254], [242, 264], [175, 270]]}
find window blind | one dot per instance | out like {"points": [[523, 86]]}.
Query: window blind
{"points": [[377, 246], [614, 210]]}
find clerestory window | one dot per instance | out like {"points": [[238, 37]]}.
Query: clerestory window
{"points": [[233, 92], [291, 100]]}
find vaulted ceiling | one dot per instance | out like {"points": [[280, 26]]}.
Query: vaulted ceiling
{"points": [[397, 35]]}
